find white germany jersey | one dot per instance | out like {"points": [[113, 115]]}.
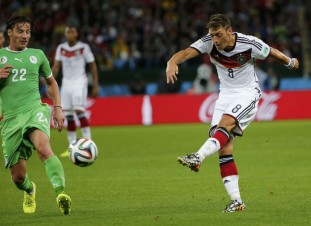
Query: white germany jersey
{"points": [[235, 68], [74, 60]]}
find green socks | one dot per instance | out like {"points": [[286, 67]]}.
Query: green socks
{"points": [[55, 172], [26, 185]]}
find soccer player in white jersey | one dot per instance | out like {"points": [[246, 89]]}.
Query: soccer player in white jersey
{"points": [[74, 55], [234, 56]]}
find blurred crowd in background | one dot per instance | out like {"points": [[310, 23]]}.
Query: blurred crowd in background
{"points": [[131, 34]]}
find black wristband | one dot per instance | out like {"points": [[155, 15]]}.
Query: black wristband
{"points": [[57, 106]]}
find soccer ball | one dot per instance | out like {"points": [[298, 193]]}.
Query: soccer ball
{"points": [[83, 152]]}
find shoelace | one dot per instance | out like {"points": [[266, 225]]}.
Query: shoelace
{"points": [[28, 201]]}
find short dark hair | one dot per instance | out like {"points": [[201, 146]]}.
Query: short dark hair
{"points": [[18, 18], [71, 25], [219, 20]]}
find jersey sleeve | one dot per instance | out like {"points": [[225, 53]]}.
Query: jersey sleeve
{"points": [[260, 50], [45, 68], [88, 55], [203, 45]]}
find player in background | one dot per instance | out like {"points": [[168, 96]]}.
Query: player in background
{"points": [[73, 55], [234, 56], [26, 122]]}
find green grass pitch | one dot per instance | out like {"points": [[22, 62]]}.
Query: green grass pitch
{"points": [[136, 179]]}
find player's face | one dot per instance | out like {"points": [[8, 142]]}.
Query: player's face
{"points": [[19, 36], [2, 39], [71, 34], [221, 37]]}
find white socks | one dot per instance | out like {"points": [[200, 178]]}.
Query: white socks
{"points": [[71, 135], [208, 148], [86, 132], [231, 184]]}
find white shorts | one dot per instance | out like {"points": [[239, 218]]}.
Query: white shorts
{"points": [[74, 98], [242, 107]]}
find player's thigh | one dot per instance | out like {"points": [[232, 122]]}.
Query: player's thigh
{"points": [[41, 142], [220, 107], [239, 106], [39, 119], [243, 109], [11, 139], [15, 130], [36, 132]]}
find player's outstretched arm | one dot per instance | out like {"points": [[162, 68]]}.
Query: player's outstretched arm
{"points": [[177, 58], [290, 63]]}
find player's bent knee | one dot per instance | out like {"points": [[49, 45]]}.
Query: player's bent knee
{"points": [[228, 122], [44, 149]]}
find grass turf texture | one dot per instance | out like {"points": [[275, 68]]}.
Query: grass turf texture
{"points": [[136, 179]]}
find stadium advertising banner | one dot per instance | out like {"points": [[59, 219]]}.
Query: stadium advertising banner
{"points": [[159, 109]]}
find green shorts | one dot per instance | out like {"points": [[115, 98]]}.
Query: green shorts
{"points": [[15, 131]]}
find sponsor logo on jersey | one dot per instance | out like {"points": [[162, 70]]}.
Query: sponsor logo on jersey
{"points": [[33, 59], [3, 60], [20, 60]]}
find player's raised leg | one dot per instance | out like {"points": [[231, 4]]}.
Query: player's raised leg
{"points": [[212, 145]]}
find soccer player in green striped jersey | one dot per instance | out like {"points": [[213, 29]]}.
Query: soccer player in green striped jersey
{"points": [[26, 123]]}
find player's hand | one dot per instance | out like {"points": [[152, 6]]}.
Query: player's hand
{"points": [[5, 71], [171, 72], [58, 118], [296, 63]]}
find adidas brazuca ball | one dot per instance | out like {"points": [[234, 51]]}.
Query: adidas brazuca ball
{"points": [[83, 152]]}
